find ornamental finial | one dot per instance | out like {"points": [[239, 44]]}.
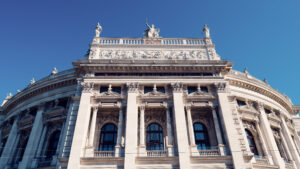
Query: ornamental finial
{"points": [[246, 70], [265, 80], [206, 31], [9, 95], [98, 30]]}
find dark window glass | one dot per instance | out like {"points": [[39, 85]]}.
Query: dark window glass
{"points": [[251, 142], [103, 89], [63, 102], [192, 89], [2, 146], [148, 89], [267, 111], [160, 89], [241, 103], [108, 137], [201, 136], [52, 146], [155, 137], [116, 89], [204, 89], [21, 149]]}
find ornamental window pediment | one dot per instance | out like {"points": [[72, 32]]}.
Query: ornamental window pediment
{"points": [[153, 91]]}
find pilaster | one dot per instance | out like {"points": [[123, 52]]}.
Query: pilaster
{"points": [[131, 126], [33, 140], [193, 147], [90, 147], [227, 117], [118, 152], [81, 127], [180, 125], [142, 146], [170, 145], [218, 132]]}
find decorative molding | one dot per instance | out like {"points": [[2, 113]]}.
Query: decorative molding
{"points": [[221, 87]]}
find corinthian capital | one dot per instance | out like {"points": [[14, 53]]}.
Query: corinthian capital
{"points": [[221, 87], [132, 87], [87, 86], [177, 87]]}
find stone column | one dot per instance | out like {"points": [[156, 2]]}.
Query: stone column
{"points": [[264, 146], [170, 146], [218, 132], [297, 141], [180, 125], [193, 147], [81, 127], [131, 126], [90, 147], [286, 148], [120, 130], [142, 148], [33, 140], [290, 143], [39, 149], [231, 131], [266, 129], [10, 146]]}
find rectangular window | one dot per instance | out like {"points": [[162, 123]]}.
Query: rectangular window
{"points": [[204, 89]]}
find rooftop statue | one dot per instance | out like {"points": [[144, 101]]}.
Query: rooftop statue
{"points": [[151, 32], [206, 31], [98, 30]]}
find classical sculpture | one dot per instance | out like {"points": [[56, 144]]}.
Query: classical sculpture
{"points": [[98, 30], [206, 31], [151, 32]]}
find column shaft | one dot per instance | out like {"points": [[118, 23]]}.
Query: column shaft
{"points": [[32, 143], [169, 127], [10, 146], [217, 127], [190, 126], [272, 146], [93, 127], [142, 126], [290, 143], [120, 130], [264, 146]]}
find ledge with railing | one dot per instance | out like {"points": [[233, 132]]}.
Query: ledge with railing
{"points": [[261, 160], [209, 152], [104, 153]]}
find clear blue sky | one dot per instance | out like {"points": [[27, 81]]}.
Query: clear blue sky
{"points": [[263, 35]]}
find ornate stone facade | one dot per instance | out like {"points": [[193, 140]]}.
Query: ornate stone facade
{"points": [[149, 102]]}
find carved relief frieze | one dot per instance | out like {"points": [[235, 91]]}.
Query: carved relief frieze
{"points": [[139, 54]]}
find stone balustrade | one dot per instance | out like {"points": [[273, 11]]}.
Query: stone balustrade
{"points": [[104, 154], [157, 153], [142, 41], [213, 152]]}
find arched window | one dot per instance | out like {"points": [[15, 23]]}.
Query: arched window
{"points": [[108, 137], [155, 137], [201, 136], [251, 142], [52, 145]]}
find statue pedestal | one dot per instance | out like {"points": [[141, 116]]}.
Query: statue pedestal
{"points": [[221, 149], [194, 150], [118, 151], [89, 152]]}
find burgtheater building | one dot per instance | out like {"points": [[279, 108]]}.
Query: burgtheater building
{"points": [[151, 102]]}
